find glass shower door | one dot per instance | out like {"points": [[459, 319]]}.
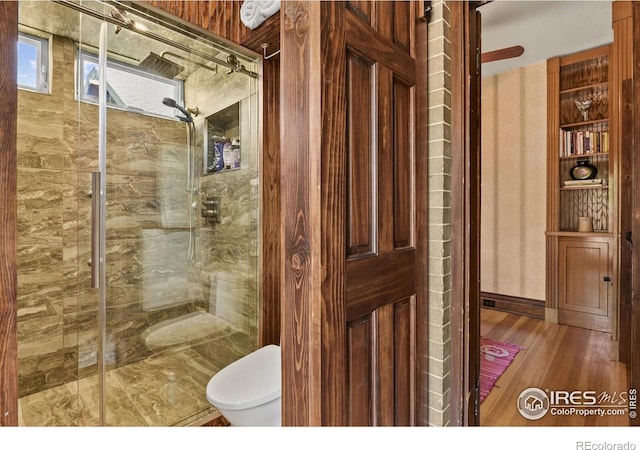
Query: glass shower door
{"points": [[150, 236], [57, 309], [176, 311], [138, 268]]}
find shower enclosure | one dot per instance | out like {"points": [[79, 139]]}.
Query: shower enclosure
{"points": [[137, 269]]}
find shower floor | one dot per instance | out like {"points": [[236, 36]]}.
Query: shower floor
{"points": [[163, 390]]}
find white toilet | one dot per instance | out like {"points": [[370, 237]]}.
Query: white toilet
{"points": [[248, 391]]}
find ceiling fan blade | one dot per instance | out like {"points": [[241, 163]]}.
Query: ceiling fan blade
{"points": [[503, 53]]}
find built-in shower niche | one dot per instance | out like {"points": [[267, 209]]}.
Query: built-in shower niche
{"points": [[222, 149]]}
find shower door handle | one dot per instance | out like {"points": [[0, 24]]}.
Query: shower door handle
{"points": [[95, 230]]}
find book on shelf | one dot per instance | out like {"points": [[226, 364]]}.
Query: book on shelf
{"points": [[574, 143], [592, 182]]}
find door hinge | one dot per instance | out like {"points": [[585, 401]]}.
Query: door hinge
{"points": [[427, 10]]}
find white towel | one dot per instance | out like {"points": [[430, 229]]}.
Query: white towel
{"points": [[254, 12]]}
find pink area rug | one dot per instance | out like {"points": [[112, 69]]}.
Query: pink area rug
{"points": [[495, 357]]}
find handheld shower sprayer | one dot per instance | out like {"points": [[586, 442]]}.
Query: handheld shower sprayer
{"points": [[191, 168], [171, 103]]}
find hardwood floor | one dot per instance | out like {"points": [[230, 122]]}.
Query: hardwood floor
{"points": [[555, 357]]}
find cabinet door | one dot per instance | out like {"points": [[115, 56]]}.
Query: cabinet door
{"points": [[583, 291]]}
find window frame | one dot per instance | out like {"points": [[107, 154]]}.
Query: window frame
{"points": [[84, 55], [42, 46]]}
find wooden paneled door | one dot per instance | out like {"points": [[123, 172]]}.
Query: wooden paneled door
{"points": [[367, 196]]}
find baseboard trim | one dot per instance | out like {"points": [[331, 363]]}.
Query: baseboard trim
{"points": [[515, 305], [551, 315]]}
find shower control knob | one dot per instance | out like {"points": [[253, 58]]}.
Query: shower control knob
{"points": [[210, 204], [211, 209], [209, 214]]}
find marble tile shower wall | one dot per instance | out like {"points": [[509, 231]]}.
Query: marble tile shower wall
{"points": [[148, 275], [226, 255]]}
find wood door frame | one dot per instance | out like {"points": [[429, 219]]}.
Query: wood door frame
{"points": [[634, 373], [465, 214], [300, 236], [422, 214], [625, 285], [8, 213]]}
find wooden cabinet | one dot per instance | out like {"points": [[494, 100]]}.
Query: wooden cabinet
{"points": [[584, 269], [581, 165]]}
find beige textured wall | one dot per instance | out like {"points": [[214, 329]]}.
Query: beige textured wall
{"points": [[439, 85], [513, 182]]}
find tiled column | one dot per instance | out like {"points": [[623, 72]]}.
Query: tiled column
{"points": [[439, 85]]}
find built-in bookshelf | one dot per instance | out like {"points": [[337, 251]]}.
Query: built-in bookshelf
{"points": [[575, 143], [583, 139], [582, 187]]}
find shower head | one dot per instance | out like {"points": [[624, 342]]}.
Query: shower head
{"points": [[161, 66], [171, 103]]}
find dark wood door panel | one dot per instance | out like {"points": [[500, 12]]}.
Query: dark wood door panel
{"points": [[403, 158], [361, 223], [363, 39], [390, 19], [394, 364], [385, 144], [393, 229], [401, 24], [363, 9], [374, 282], [380, 352], [385, 360], [360, 351], [404, 351]]}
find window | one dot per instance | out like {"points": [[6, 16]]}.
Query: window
{"points": [[128, 87], [33, 63]]}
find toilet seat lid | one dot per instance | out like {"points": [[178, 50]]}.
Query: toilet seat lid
{"points": [[252, 380]]}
